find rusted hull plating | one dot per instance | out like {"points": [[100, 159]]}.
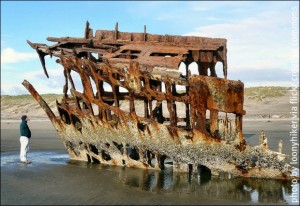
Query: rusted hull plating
{"points": [[95, 127]]}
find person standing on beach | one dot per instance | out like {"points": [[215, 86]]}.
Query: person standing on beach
{"points": [[24, 139]]}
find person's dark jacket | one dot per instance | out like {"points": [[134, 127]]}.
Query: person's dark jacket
{"points": [[24, 129]]}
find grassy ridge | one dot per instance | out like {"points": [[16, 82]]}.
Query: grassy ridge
{"points": [[12, 107], [259, 93], [26, 99], [251, 93], [266, 91]]}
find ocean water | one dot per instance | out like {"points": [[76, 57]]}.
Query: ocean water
{"points": [[52, 178]]}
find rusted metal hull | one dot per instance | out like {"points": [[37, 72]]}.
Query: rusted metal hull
{"points": [[94, 127], [133, 141]]}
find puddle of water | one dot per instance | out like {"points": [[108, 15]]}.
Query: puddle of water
{"points": [[176, 185], [9, 158]]}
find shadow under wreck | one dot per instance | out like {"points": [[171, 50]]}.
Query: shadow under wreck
{"points": [[137, 121]]}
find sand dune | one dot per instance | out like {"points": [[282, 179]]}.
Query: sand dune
{"points": [[259, 103]]}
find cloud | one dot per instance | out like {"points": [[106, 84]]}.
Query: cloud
{"points": [[9, 55], [53, 73], [200, 8], [213, 19], [261, 42], [253, 77], [39, 80], [18, 89], [56, 81], [13, 89]]}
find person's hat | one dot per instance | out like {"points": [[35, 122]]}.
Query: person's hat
{"points": [[24, 117]]}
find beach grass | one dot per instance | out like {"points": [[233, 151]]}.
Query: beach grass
{"points": [[260, 93], [26, 103], [26, 99]]}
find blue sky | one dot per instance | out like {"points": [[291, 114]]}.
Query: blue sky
{"points": [[259, 35]]}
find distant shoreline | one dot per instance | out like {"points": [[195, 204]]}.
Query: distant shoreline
{"points": [[260, 103], [246, 120]]}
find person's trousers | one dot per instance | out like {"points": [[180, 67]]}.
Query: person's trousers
{"points": [[24, 148]]}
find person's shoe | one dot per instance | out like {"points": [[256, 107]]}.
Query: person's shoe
{"points": [[26, 162]]}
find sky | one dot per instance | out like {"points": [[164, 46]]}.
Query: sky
{"points": [[262, 37]]}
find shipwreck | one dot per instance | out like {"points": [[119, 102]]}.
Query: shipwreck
{"points": [[141, 70]]}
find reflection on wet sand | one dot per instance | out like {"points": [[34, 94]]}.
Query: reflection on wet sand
{"points": [[204, 185]]}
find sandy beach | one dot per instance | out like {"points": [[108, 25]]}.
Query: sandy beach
{"points": [[53, 179]]}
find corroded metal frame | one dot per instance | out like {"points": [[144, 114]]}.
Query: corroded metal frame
{"points": [[142, 68]]}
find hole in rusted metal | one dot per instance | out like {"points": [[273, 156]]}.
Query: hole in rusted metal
{"points": [[95, 55], [193, 68], [189, 137], [162, 87], [95, 160], [94, 88], [124, 105], [133, 153], [181, 89], [254, 160], [162, 159], [219, 69], [127, 51], [105, 155], [149, 156], [119, 147], [165, 112], [190, 169], [141, 126], [203, 170], [126, 56], [76, 122], [64, 116], [227, 126], [94, 149], [77, 81], [168, 161], [88, 158], [163, 54], [139, 107], [182, 69], [107, 87], [95, 109]]}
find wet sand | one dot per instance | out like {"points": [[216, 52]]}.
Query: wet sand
{"points": [[53, 179]]}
